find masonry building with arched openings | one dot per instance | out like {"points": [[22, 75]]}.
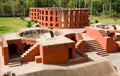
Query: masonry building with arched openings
{"points": [[60, 17]]}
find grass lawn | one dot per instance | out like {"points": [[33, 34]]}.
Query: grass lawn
{"points": [[105, 20], [9, 24]]}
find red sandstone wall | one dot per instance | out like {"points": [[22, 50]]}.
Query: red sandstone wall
{"points": [[56, 54], [34, 13], [30, 56], [81, 45], [71, 35], [5, 50], [19, 45], [5, 55], [57, 17], [29, 41], [104, 41]]}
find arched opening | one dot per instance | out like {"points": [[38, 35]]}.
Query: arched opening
{"points": [[12, 50], [56, 25], [51, 18]]}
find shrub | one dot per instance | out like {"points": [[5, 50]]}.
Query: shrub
{"points": [[29, 24], [96, 21], [35, 21]]}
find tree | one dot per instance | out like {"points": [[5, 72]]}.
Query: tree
{"points": [[110, 8], [22, 6], [13, 8], [85, 4], [3, 12], [79, 3], [103, 7], [91, 7]]}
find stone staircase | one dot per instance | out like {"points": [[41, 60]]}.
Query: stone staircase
{"points": [[30, 54], [103, 33], [93, 45], [15, 62]]}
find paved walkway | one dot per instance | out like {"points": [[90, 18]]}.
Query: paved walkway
{"points": [[114, 58]]}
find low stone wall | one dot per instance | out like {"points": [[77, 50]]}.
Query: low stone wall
{"points": [[96, 69]]}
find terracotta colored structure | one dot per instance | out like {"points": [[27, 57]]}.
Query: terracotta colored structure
{"points": [[60, 17], [58, 46], [41, 46], [108, 38]]}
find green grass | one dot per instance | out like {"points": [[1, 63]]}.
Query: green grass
{"points": [[9, 24], [105, 20]]}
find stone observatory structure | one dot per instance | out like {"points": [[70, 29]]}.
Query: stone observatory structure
{"points": [[42, 46], [76, 49], [60, 17]]}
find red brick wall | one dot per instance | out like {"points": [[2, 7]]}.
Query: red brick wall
{"points": [[71, 35], [34, 13], [30, 56], [5, 55], [81, 45], [29, 41], [56, 54], [19, 45], [57, 17], [6, 51], [104, 41]]}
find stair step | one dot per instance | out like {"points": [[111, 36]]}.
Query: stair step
{"points": [[99, 53], [92, 43], [104, 55], [15, 63], [95, 45], [10, 63], [15, 59], [100, 50]]}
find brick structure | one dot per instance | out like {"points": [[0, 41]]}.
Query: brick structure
{"points": [[60, 17], [41, 46], [57, 46], [34, 13]]}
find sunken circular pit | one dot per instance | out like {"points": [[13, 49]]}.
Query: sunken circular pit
{"points": [[35, 33]]}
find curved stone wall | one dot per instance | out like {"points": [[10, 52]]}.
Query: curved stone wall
{"points": [[35, 33]]}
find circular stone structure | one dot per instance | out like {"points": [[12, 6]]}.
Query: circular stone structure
{"points": [[39, 33], [35, 33]]}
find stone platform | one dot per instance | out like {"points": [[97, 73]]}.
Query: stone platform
{"points": [[96, 66]]}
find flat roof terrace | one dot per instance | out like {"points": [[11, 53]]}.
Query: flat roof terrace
{"points": [[54, 41], [6, 37]]}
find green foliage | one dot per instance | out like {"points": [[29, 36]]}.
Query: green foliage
{"points": [[29, 23], [35, 21], [105, 20], [99, 7]]}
